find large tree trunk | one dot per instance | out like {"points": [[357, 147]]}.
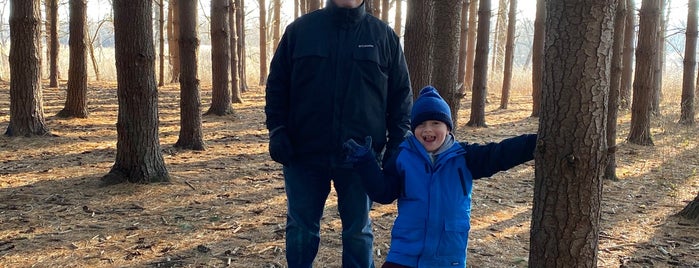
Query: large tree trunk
{"points": [[76, 97], [538, 56], [53, 45], [646, 58], [418, 43], [509, 55], [690, 64], [627, 71], [691, 211], [235, 61], [263, 42], [445, 72], [480, 67], [138, 157], [174, 40], [26, 100], [190, 103], [615, 84], [570, 156], [220, 58]]}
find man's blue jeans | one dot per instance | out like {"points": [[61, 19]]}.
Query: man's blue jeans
{"points": [[307, 188]]}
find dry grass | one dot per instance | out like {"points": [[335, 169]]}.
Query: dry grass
{"points": [[226, 205]]}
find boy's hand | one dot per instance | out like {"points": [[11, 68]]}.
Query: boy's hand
{"points": [[358, 153]]}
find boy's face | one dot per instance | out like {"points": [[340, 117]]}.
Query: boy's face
{"points": [[348, 3], [431, 134]]}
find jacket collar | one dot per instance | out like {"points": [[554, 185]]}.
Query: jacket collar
{"points": [[345, 17]]}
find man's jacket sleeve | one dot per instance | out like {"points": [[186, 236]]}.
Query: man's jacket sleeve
{"points": [[486, 160], [278, 83], [400, 100]]}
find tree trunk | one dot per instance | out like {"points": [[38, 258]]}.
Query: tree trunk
{"points": [[509, 55], [691, 211], [570, 156], [499, 37], [220, 58], [463, 43], [445, 72], [646, 57], [138, 157], [398, 23], [174, 40], [263, 41], [385, 6], [690, 64], [235, 61], [538, 56], [276, 17], [242, 54], [91, 47], [313, 5], [161, 44], [658, 68], [471, 46], [614, 86], [369, 5], [480, 67], [418, 43], [53, 45], [26, 104], [627, 71], [76, 97], [190, 103]]}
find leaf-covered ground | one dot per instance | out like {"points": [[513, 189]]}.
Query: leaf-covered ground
{"points": [[226, 206]]}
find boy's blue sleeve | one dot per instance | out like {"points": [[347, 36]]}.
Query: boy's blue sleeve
{"points": [[486, 160], [382, 186]]}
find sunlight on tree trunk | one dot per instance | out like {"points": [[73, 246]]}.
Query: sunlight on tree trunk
{"points": [[480, 67], [76, 95], [690, 64]]}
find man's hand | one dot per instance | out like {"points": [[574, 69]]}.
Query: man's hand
{"points": [[280, 148]]}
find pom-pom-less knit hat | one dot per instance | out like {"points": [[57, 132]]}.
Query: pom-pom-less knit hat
{"points": [[430, 106]]}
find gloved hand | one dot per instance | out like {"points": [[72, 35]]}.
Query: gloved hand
{"points": [[355, 153], [280, 148]]}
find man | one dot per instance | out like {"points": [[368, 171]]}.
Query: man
{"points": [[338, 74]]}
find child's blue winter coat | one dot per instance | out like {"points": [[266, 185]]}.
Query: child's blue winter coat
{"points": [[434, 198]]}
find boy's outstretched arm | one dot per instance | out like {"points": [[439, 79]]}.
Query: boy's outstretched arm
{"points": [[486, 160], [381, 186]]}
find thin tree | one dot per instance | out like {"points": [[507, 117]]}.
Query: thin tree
{"points": [[499, 36], [385, 6], [646, 58], [138, 156], [161, 43], [471, 46], [627, 71], [398, 23], [242, 54], [174, 40], [220, 58], [660, 58], [463, 43], [26, 100], [509, 54], [690, 64], [445, 73], [263, 41], [418, 43], [571, 150], [480, 67], [538, 56], [614, 86], [52, 13], [191, 136], [76, 97], [235, 62], [91, 47], [276, 18]]}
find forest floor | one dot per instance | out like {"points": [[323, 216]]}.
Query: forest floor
{"points": [[226, 205]]}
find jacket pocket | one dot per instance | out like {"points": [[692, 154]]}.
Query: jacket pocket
{"points": [[454, 239], [371, 69], [408, 237]]}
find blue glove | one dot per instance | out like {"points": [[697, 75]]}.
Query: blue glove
{"points": [[280, 148], [355, 153]]}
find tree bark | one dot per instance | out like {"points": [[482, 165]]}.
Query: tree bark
{"points": [[76, 97], [463, 43], [263, 41], [138, 157], [53, 45], [570, 156], [509, 55], [385, 6], [235, 61], [480, 67], [471, 46], [190, 103], [615, 85], [242, 54], [174, 40], [26, 104], [627, 71], [691, 211], [276, 17], [538, 56], [220, 58], [398, 23], [161, 44], [445, 72], [646, 58], [690, 65], [418, 43]]}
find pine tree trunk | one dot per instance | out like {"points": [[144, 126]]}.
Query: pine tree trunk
{"points": [[509, 55], [220, 58], [627, 72], [445, 72], [174, 40], [471, 46], [538, 56], [615, 85], [690, 65], [463, 47], [53, 45], [418, 43], [263, 41], [691, 211], [161, 43], [480, 67], [242, 54], [76, 98], [235, 61], [398, 23]]}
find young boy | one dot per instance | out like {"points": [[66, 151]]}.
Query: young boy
{"points": [[431, 175]]}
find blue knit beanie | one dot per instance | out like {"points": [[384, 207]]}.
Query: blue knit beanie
{"points": [[430, 106]]}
